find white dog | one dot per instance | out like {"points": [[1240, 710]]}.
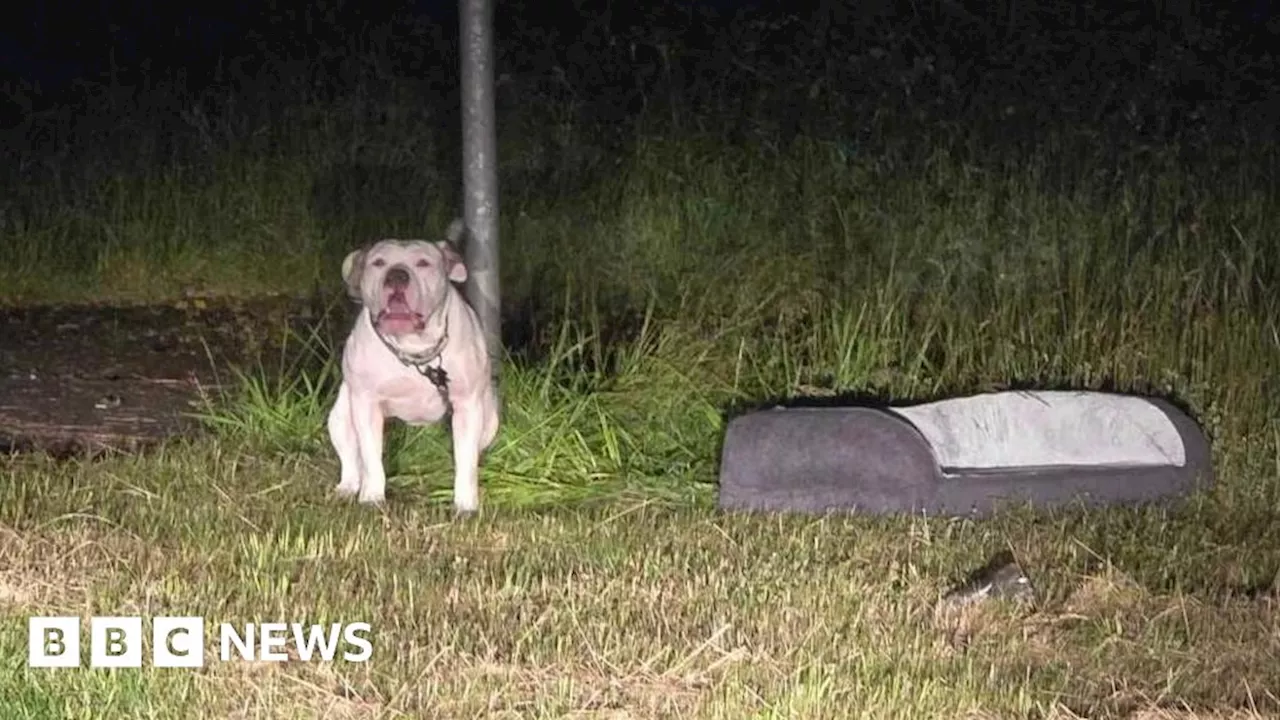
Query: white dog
{"points": [[416, 352]]}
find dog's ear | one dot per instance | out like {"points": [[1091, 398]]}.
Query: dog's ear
{"points": [[453, 263], [352, 269]]}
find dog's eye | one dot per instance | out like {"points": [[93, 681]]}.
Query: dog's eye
{"points": [[379, 262], [424, 263]]}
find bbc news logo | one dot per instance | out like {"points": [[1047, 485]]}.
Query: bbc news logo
{"points": [[178, 642]]}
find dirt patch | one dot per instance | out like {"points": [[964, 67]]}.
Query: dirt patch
{"points": [[88, 378], [85, 379]]}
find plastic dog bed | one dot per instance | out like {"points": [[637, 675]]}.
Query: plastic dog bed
{"points": [[965, 456]]}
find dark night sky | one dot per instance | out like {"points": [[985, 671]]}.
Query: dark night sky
{"points": [[52, 43], [55, 42]]}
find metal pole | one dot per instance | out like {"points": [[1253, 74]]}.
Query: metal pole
{"points": [[480, 170]]}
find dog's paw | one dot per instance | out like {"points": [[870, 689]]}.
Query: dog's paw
{"points": [[375, 499], [346, 490], [464, 510]]}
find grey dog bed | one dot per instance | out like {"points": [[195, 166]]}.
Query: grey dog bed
{"points": [[964, 456]]}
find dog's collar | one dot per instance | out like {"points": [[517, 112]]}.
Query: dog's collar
{"points": [[423, 361]]}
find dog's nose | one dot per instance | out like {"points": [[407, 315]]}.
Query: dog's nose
{"points": [[396, 277]]}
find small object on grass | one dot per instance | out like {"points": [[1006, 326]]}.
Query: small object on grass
{"points": [[1002, 577], [106, 402]]}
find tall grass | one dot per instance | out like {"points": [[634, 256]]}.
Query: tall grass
{"points": [[697, 277]]}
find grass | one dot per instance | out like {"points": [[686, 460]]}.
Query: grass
{"points": [[656, 290], [618, 609], [601, 582]]}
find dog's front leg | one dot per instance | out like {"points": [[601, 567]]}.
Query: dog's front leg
{"points": [[468, 425], [366, 413], [342, 435]]}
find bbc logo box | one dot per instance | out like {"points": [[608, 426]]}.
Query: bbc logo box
{"points": [[178, 642], [115, 642]]}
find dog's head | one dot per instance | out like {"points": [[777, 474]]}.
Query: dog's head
{"points": [[403, 283]]}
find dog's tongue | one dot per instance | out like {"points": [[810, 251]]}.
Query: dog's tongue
{"points": [[398, 324], [397, 318]]}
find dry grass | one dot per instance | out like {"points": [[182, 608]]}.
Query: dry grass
{"points": [[602, 611]]}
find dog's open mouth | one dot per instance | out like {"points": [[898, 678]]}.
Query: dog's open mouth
{"points": [[397, 318]]}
